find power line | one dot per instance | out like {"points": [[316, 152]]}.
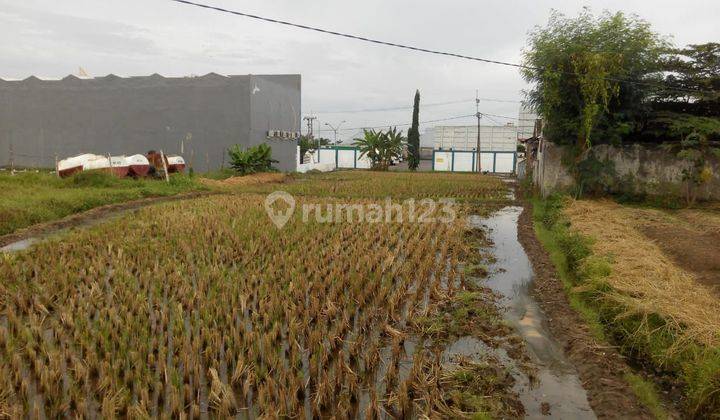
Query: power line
{"points": [[402, 124], [402, 108], [419, 49]]}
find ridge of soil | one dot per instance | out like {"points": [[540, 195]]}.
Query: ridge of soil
{"points": [[600, 366], [94, 213]]}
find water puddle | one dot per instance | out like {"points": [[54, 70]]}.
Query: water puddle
{"points": [[557, 384]]}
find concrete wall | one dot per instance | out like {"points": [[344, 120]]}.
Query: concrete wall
{"points": [[275, 105], [646, 169], [198, 117]]}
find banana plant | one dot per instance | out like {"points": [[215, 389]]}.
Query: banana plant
{"points": [[380, 147], [251, 160]]}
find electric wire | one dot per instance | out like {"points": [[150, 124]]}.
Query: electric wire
{"points": [[419, 49]]}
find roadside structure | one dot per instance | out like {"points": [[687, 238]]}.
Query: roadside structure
{"points": [[196, 117], [455, 148], [501, 138]]}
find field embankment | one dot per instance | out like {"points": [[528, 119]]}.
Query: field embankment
{"points": [[29, 198], [625, 274]]}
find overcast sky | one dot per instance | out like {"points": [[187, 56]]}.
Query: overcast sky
{"points": [[52, 39]]}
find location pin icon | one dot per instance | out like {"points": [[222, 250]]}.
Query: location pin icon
{"points": [[280, 218]]}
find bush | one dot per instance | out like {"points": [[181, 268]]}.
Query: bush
{"points": [[251, 160], [97, 178]]}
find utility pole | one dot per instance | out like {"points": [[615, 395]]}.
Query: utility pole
{"points": [[12, 158], [335, 129], [479, 117], [310, 120]]}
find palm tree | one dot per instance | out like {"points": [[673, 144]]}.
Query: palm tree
{"points": [[380, 147]]}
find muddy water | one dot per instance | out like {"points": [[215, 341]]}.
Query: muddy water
{"points": [[557, 383]]}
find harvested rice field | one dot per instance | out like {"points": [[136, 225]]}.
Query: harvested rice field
{"points": [[662, 261], [205, 308], [652, 279]]}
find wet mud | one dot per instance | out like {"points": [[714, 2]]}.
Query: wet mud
{"points": [[600, 367], [554, 387]]}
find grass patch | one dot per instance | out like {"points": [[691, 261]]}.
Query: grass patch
{"points": [[476, 389], [30, 198], [647, 393], [463, 313], [643, 335]]}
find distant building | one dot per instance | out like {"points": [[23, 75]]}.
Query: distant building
{"points": [[526, 122], [502, 138], [197, 117]]}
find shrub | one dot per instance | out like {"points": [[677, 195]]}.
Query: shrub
{"points": [[251, 160], [97, 178]]}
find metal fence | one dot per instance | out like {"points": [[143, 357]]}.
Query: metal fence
{"points": [[466, 161]]}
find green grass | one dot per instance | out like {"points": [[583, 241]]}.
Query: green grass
{"points": [[548, 238], [645, 338], [647, 393], [29, 198]]}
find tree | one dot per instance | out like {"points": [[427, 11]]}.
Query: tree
{"points": [[694, 149], [414, 135], [689, 100], [692, 83], [578, 66], [306, 143], [251, 160], [381, 148]]}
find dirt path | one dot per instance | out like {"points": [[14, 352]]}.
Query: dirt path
{"points": [[600, 366], [91, 215]]}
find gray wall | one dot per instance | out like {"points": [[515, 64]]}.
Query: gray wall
{"points": [[203, 116], [275, 105], [646, 169]]}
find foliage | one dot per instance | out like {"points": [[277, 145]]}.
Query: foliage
{"points": [[689, 100], [693, 73], [414, 135], [251, 160], [306, 143], [694, 149], [576, 65], [380, 147], [595, 177]]}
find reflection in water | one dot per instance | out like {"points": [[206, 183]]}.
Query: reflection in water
{"points": [[511, 277]]}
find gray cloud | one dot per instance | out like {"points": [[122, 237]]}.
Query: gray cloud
{"points": [[136, 37]]}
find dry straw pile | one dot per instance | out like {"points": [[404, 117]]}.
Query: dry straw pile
{"points": [[651, 282]]}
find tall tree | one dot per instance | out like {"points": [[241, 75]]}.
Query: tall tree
{"points": [[414, 136], [579, 65]]}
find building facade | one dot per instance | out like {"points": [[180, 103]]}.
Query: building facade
{"points": [[526, 122], [501, 138], [196, 117]]}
